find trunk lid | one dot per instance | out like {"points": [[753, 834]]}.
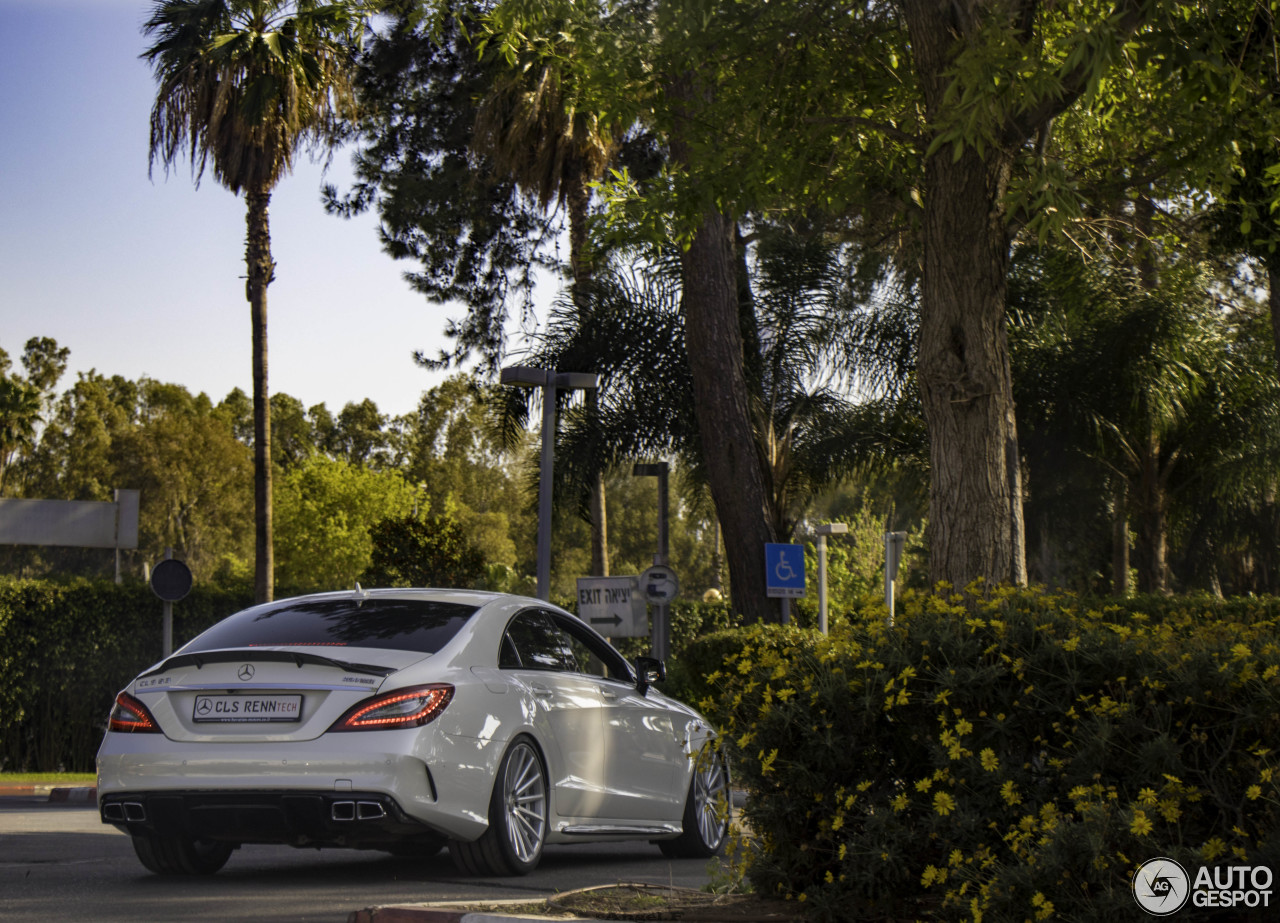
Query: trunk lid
{"points": [[262, 694]]}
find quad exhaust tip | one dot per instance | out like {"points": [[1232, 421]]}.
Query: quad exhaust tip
{"points": [[357, 810], [119, 811]]}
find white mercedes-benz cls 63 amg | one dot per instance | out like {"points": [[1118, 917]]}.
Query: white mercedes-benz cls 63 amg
{"points": [[406, 720]]}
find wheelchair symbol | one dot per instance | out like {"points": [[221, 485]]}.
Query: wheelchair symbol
{"points": [[784, 570]]}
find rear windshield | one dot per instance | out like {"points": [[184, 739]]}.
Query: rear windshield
{"points": [[419, 625]]}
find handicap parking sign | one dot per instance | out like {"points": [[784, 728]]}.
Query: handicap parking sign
{"points": [[784, 570]]}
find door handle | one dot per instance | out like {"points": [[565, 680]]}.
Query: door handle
{"points": [[609, 695], [541, 690]]}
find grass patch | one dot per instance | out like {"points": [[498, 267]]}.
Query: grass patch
{"points": [[73, 779]]}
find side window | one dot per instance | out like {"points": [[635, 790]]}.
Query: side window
{"points": [[593, 656], [533, 643]]}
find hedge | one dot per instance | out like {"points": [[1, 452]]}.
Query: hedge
{"points": [[66, 649], [1008, 756]]}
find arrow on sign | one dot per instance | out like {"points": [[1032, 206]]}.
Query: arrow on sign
{"points": [[616, 620]]}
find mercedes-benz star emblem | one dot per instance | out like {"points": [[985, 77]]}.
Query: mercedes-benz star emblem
{"points": [[246, 672], [203, 706]]}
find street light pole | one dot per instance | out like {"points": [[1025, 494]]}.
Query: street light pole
{"points": [[661, 631], [550, 381]]}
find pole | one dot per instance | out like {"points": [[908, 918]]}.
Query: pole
{"points": [[822, 583], [544, 488], [664, 543], [549, 380], [166, 631], [661, 628], [893, 545], [822, 531], [661, 632]]}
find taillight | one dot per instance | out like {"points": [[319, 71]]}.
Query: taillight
{"points": [[412, 707], [131, 716]]}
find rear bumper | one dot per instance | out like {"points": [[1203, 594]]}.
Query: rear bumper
{"points": [[295, 818], [441, 783]]}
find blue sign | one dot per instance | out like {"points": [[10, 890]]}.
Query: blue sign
{"points": [[784, 570]]}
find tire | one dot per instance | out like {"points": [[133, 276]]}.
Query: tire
{"points": [[179, 855], [706, 810], [517, 818]]}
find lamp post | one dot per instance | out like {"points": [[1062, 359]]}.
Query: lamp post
{"points": [[661, 622], [550, 381], [822, 531]]}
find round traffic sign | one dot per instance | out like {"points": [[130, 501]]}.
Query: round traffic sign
{"points": [[171, 580], [659, 584]]}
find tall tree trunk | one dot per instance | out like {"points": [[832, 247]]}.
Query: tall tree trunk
{"points": [[1153, 521], [717, 559], [1273, 299], [1120, 539], [1153, 542], [577, 199], [975, 492], [261, 270], [711, 304], [714, 341]]}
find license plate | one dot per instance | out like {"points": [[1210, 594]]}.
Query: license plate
{"points": [[247, 708]]}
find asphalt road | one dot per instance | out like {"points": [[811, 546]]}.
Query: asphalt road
{"points": [[60, 863]]}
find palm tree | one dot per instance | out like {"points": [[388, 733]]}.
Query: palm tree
{"points": [[530, 127], [245, 84], [809, 431], [1136, 401]]}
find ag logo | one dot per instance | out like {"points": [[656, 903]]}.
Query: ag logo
{"points": [[1161, 886], [246, 672]]}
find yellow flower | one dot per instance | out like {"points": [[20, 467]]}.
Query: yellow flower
{"points": [[930, 876], [1009, 792], [1147, 796], [1253, 792], [1140, 825], [990, 762], [900, 802], [943, 803]]}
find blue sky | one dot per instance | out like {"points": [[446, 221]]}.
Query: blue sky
{"points": [[142, 276]]}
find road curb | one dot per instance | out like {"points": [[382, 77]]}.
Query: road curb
{"points": [[73, 794], [53, 794], [434, 913]]}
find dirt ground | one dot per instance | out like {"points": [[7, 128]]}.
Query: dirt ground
{"points": [[641, 902]]}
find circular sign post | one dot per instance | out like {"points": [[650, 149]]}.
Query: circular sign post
{"points": [[170, 580], [660, 585]]}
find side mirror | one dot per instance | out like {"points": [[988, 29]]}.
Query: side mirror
{"points": [[649, 670]]}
